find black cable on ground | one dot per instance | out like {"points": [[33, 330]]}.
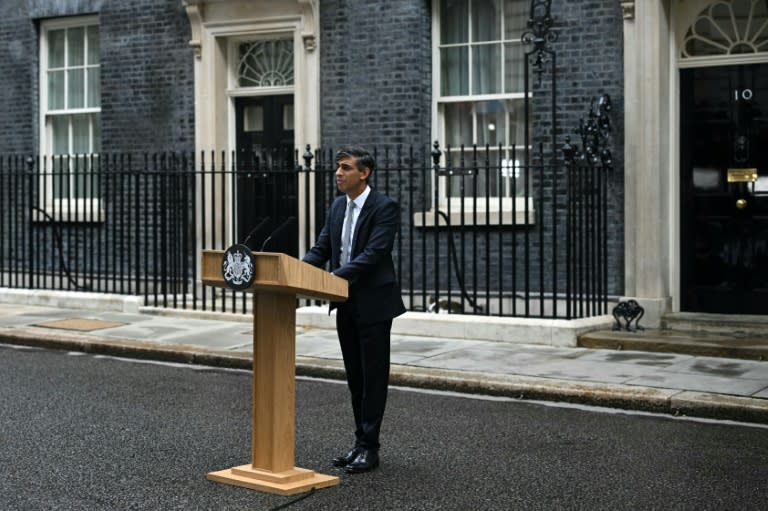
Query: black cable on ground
{"points": [[292, 502]]}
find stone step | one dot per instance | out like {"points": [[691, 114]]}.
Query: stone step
{"points": [[696, 343], [731, 324]]}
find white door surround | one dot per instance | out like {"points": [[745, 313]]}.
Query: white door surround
{"points": [[653, 33], [217, 26]]}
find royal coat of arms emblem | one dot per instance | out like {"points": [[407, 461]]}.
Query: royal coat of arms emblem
{"points": [[238, 267]]}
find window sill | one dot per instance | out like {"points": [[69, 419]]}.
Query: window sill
{"points": [[477, 217], [50, 214]]}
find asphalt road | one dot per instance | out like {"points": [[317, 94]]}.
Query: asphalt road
{"points": [[80, 432]]}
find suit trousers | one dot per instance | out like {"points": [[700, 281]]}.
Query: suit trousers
{"points": [[365, 348]]}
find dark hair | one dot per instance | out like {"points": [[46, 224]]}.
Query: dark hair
{"points": [[360, 155]]}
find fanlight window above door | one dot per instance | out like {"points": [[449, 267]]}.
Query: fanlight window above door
{"points": [[728, 28], [265, 63]]}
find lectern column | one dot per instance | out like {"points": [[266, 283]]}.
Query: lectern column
{"points": [[274, 370]]}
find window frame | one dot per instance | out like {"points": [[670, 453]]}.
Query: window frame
{"points": [[50, 207], [686, 22], [234, 89], [493, 210]]}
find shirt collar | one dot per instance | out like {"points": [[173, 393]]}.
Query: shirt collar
{"points": [[360, 200]]}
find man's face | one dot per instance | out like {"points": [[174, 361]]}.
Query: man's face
{"points": [[349, 179]]}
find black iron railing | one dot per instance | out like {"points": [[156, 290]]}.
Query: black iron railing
{"points": [[480, 233]]}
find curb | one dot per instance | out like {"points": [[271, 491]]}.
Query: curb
{"points": [[658, 400]]}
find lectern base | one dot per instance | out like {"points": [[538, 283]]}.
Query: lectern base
{"points": [[289, 482]]}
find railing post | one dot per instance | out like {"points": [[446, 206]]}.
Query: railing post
{"points": [[569, 154], [436, 153]]}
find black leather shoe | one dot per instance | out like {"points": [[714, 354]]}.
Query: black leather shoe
{"points": [[367, 460], [343, 461]]}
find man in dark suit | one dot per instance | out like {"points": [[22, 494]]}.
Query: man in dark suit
{"points": [[357, 239]]}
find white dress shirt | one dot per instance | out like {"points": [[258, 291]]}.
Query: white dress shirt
{"points": [[359, 202]]}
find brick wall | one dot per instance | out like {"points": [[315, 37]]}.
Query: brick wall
{"points": [[590, 61], [147, 78], [18, 79], [376, 72]]}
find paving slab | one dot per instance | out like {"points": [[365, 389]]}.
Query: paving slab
{"points": [[588, 370], [630, 379], [699, 382], [316, 345], [414, 349], [725, 367], [494, 357], [642, 358]]}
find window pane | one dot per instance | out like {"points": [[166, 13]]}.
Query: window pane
{"points": [[513, 174], [94, 86], [491, 122], [516, 112], [484, 183], [453, 22], [60, 134], [488, 173], [55, 48], [454, 71], [81, 177], [60, 176], [486, 69], [266, 63], [55, 90], [93, 45], [76, 93], [486, 20], [515, 19], [76, 46], [96, 133], [288, 117], [458, 123], [253, 118], [514, 72], [453, 185], [80, 134]]}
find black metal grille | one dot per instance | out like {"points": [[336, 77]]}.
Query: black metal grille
{"points": [[534, 247]]}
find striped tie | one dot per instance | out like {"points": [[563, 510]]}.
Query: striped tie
{"points": [[346, 234]]}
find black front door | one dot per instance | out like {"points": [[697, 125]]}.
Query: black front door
{"points": [[724, 189], [266, 179]]}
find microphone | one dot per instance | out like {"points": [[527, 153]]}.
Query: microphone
{"points": [[277, 231], [256, 229]]}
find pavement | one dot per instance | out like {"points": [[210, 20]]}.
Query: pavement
{"points": [[662, 382]]}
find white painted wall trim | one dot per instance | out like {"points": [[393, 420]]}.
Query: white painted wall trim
{"points": [[214, 25], [652, 34]]}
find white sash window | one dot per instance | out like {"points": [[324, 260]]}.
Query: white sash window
{"points": [[70, 115], [479, 98]]}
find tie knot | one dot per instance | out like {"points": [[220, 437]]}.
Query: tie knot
{"points": [[351, 205]]}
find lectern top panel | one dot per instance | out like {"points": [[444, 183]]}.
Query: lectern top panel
{"points": [[279, 273]]}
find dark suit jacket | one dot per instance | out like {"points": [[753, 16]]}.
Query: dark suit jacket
{"points": [[373, 287]]}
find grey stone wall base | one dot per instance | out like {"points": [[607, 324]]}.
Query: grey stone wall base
{"points": [[72, 300], [549, 332]]}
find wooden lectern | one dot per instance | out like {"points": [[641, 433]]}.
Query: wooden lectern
{"points": [[278, 280]]}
